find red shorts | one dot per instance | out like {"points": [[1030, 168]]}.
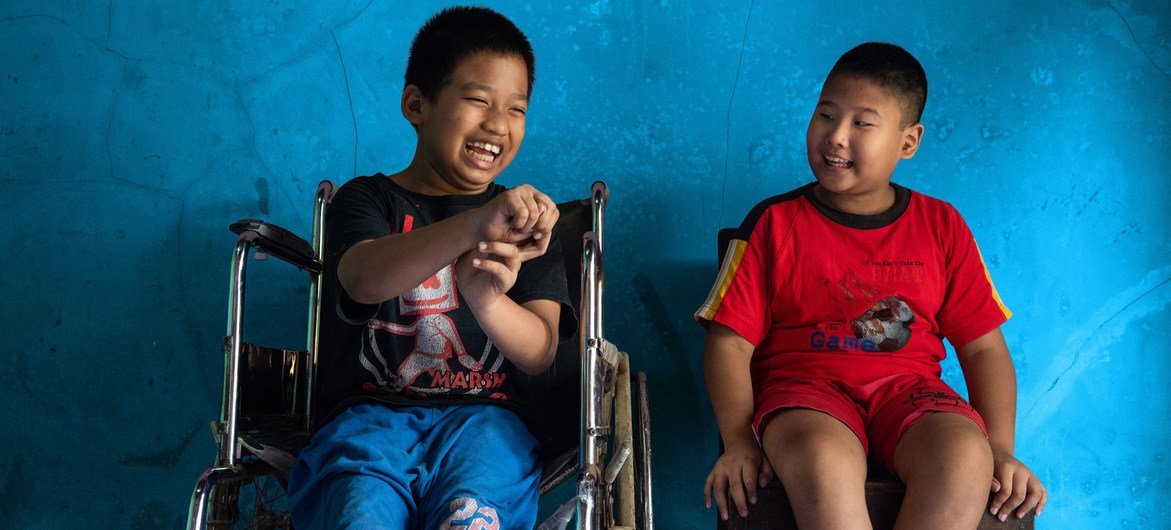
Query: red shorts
{"points": [[878, 412]]}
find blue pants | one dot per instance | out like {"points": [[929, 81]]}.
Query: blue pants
{"points": [[470, 467]]}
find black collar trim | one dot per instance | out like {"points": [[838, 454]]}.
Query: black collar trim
{"points": [[863, 222], [439, 201]]}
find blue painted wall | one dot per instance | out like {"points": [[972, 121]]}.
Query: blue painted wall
{"points": [[132, 133]]}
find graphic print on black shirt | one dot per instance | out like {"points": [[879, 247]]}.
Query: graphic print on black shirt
{"points": [[437, 342], [426, 369], [424, 347]]}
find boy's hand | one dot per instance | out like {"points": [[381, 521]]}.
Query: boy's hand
{"points": [[1017, 490], [522, 216], [737, 473], [487, 272]]}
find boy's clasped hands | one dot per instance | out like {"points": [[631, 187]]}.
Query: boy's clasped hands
{"points": [[514, 227]]}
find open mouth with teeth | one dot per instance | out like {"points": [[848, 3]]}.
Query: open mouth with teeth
{"points": [[482, 151], [834, 161]]}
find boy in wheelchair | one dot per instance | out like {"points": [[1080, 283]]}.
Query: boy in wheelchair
{"points": [[441, 287]]}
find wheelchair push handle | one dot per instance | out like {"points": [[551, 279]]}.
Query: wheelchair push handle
{"points": [[599, 196]]}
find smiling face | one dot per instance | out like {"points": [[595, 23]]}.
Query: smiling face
{"points": [[472, 129], [855, 140]]}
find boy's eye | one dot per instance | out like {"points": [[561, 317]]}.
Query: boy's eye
{"points": [[519, 110], [479, 101], [825, 116], [861, 123]]}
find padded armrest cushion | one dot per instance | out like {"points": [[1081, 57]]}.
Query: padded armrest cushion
{"points": [[278, 242]]}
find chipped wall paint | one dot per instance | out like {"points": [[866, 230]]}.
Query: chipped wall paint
{"points": [[131, 135]]}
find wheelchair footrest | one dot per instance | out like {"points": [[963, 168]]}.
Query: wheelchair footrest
{"points": [[277, 449], [558, 470]]}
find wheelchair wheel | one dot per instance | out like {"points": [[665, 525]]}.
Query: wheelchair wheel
{"points": [[255, 504], [224, 509], [269, 510]]}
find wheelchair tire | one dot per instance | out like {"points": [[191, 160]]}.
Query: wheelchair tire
{"points": [[258, 503]]}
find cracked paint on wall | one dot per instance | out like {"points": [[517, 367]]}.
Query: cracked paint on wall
{"points": [[132, 135]]}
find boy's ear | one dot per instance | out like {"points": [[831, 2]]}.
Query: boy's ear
{"points": [[412, 105], [911, 136]]}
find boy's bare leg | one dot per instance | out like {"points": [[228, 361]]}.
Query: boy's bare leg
{"points": [[946, 462], [822, 465]]}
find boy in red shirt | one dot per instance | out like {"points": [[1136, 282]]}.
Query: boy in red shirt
{"points": [[825, 329]]}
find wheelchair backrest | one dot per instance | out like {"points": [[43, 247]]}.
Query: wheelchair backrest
{"points": [[555, 395]]}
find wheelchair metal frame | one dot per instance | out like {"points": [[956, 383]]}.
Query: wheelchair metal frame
{"points": [[605, 375], [220, 483], [606, 387]]}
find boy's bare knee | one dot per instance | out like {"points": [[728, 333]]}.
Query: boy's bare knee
{"points": [[813, 447], [942, 459], [822, 465], [943, 446], [809, 431]]}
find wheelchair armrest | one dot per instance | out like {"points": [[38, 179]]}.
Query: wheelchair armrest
{"points": [[278, 242]]}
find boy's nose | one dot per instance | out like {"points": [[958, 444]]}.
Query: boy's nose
{"points": [[496, 122], [837, 136]]}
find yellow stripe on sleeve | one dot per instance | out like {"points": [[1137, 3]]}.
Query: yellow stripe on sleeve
{"points": [[728, 269], [995, 295]]}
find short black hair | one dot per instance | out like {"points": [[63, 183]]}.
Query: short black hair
{"points": [[892, 68], [455, 33]]}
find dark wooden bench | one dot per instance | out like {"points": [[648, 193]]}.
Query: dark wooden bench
{"points": [[883, 498]]}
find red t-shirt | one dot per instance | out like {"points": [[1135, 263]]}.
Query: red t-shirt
{"points": [[825, 294]]}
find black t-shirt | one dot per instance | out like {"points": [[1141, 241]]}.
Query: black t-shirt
{"points": [[425, 347]]}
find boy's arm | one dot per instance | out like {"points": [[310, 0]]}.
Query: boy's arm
{"points": [[726, 360], [376, 270], [525, 333], [991, 379]]}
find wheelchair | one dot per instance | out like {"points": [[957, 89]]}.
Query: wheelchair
{"points": [[594, 414]]}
